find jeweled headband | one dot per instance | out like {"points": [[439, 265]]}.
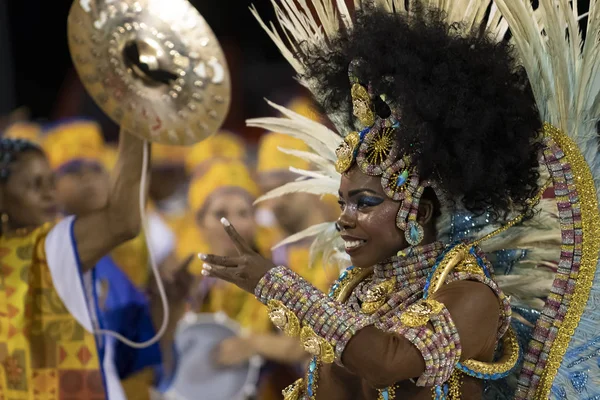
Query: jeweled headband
{"points": [[375, 151]]}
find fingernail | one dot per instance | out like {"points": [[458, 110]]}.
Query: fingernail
{"points": [[206, 267], [225, 222], [202, 256], [205, 272]]}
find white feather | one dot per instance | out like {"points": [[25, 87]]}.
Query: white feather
{"points": [[311, 231], [324, 166], [315, 186]]}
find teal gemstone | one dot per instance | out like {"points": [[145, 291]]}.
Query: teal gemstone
{"points": [[402, 178], [385, 394], [414, 233]]}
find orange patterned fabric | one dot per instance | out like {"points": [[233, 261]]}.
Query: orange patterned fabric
{"points": [[45, 354]]}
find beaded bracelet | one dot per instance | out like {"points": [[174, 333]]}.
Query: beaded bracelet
{"points": [[327, 326]]}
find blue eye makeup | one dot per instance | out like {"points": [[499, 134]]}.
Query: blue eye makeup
{"points": [[369, 201]]}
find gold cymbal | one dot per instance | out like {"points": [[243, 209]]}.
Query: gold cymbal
{"points": [[154, 66]]}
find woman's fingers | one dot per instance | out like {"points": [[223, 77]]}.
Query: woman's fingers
{"points": [[216, 271], [238, 241], [220, 260]]}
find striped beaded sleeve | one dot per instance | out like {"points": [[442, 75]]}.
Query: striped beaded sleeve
{"points": [[298, 308]]}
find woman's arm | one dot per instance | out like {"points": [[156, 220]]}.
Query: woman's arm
{"points": [[383, 358], [380, 357], [97, 233]]}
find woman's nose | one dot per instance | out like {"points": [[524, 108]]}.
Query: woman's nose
{"points": [[347, 220]]}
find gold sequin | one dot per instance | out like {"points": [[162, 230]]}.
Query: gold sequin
{"points": [[469, 265], [345, 152], [455, 385], [283, 318], [316, 345], [362, 106], [419, 313], [377, 296], [292, 392], [380, 147], [590, 220]]}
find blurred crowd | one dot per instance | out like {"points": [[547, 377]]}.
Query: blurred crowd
{"points": [[190, 190]]}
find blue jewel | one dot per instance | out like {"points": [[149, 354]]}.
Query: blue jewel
{"points": [[414, 233], [402, 178], [385, 394], [579, 380]]}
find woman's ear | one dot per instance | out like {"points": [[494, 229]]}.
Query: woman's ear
{"points": [[426, 211]]}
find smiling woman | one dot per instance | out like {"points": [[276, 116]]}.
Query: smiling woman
{"points": [[394, 184], [437, 121]]}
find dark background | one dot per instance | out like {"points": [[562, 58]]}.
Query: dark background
{"points": [[36, 70]]}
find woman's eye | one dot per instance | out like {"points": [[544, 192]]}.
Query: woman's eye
{"points": [[341, 204], [364, 202]]}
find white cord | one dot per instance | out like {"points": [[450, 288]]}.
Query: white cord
{"points": [[159, 282]]}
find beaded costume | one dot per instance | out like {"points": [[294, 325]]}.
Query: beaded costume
{"points": [[551, 349]]}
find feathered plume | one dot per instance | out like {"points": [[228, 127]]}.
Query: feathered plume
{"points": [[563, 70]]}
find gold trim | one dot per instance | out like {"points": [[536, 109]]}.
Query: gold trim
{"points": [[316, 345], [283, 318], [345, 152], [419, 313], [450, 260], [292, 392], [355, 277], [509, 358], [377, 296], [590, 219]]}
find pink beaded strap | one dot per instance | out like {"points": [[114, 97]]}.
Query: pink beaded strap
{"points": [[440, 347], [327, 326]]}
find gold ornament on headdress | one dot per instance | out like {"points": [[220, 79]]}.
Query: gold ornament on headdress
{"points": [[345, 152], [379, 148], [362, 105]]}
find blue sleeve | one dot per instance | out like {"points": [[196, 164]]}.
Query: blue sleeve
{"points": [[126, 311]]}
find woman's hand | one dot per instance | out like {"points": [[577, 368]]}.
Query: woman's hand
{"points": [[234, 351], [177, 282], [244, 271]]}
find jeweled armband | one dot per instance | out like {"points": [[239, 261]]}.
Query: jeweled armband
{"points": [[440, 347], [296, 307]]}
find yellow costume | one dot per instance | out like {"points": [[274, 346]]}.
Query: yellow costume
{"points": [[45, 353], [224, 145], [82, 140], [24, 130], [236, 303]]}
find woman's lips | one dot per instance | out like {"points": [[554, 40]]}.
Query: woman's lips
{"points": [[352, 244]]}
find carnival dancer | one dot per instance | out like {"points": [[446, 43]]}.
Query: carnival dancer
{"points": [[81, 160], [48, 309], [446, 123]]}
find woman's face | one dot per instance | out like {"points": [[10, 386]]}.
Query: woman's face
{"points": [[83, 188], [236, 206], [368, 220], [29, 194]]}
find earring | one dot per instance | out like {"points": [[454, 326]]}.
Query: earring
{"points": [[414, 233]]}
